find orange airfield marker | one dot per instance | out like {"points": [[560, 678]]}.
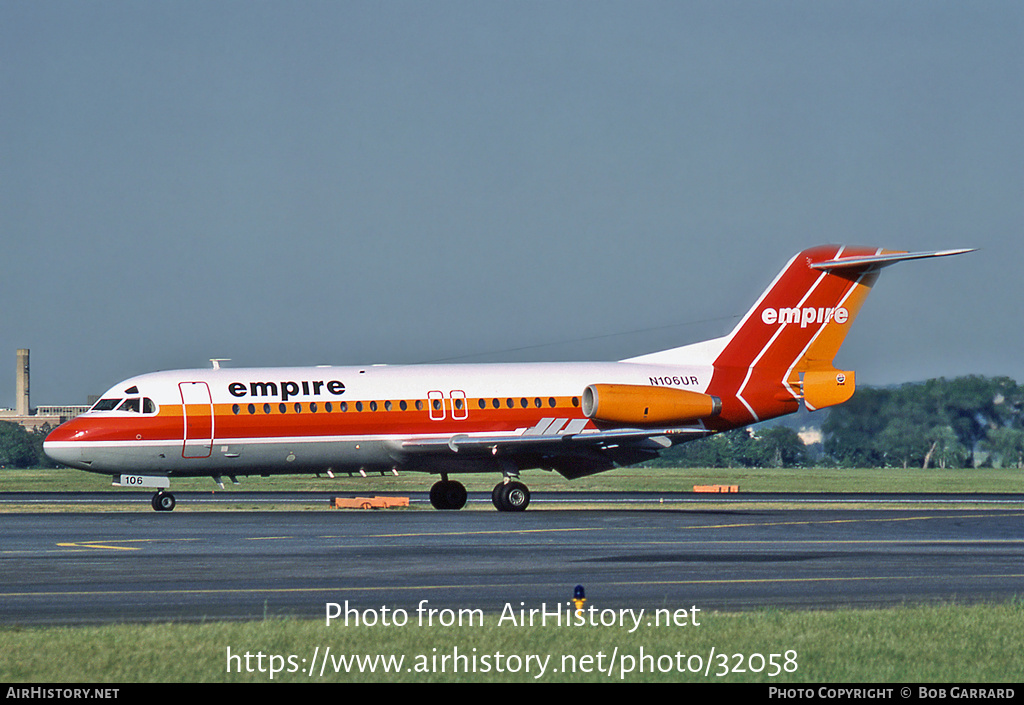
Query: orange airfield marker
{"points": [[369, 502], [716, 488]]}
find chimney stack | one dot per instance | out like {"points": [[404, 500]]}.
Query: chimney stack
{"points": [[22, 407]]}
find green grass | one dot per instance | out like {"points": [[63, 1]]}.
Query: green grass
{"points": [[963, 644], [639, 479]]}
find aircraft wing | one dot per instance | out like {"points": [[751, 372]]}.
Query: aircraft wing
{"points": [[573, 452]]}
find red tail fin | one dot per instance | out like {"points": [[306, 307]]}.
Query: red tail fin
{"points": [[782, 349]]}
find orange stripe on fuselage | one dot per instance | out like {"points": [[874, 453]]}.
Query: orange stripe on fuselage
{"points": [[168, 425]]}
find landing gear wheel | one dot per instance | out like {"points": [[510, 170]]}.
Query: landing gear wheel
{"points": [[163, 501], [448, 494], [511, 497]]}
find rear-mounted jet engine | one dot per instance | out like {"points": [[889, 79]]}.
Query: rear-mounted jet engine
{"points": [[636, 404]]}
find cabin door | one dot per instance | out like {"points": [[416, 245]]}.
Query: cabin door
{"points": [[197, 410]]}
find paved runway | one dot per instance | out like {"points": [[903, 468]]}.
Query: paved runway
{"points": [[245, 498], [144, 566]]}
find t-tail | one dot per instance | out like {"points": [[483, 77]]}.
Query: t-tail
{"points": [[782, 350]]}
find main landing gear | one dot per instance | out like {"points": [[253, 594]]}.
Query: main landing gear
{"points": [[507, 496], [510, 496], [448, 494]]}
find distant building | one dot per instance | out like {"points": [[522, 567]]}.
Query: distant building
{"points": [[810, 435], [24, 414]]}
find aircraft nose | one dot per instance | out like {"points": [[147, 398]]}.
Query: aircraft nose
{"points": [[62, 444], [68, 431], [62, 455]]}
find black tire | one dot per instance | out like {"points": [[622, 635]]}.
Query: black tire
{"points": [[512, 497], [448, 494], [163, 502]]}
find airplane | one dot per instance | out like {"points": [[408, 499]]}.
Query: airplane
{"points": [[576, 418]]}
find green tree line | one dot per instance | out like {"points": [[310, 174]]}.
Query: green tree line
{"points": [[20, 448], [963, 422]]}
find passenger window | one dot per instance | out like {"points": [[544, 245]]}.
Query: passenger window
{"points": [[437, 405], [459, 406]]}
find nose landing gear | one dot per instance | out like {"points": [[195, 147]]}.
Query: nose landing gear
{"points": [[163, 501]]}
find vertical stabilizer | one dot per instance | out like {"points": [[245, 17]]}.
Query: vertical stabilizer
{"points": [[782, 349]]}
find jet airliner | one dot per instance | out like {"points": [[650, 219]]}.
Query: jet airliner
{"points": [[574, 418]]}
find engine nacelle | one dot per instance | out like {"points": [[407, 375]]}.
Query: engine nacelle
{"points": [[639, 405]]}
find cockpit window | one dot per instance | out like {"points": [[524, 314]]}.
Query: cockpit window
{"points": [[133, 405], [130, 405]]}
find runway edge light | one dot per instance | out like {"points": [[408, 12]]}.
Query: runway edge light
{"points": [[579, 598]]}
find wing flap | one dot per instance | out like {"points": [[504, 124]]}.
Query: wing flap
{"points": [[550, 443]]}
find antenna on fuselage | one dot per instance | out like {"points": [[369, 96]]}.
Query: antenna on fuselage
{"points": [[217, 360]]}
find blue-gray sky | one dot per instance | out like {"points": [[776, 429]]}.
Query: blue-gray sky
{"points": [[358, 182]]}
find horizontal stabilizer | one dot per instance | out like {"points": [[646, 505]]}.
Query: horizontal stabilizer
{"points": [[883, 260]]}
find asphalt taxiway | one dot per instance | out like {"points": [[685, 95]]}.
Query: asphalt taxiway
{"points": [[23, 501], [85, 567]]}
